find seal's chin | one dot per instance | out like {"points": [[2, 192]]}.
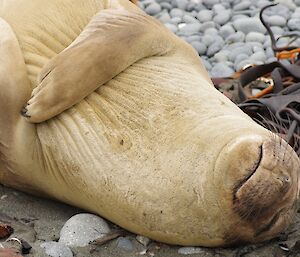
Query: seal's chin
{"points": [[265, 198]]}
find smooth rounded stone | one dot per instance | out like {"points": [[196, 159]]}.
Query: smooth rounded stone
{"points": [[217, 38], [210, 3], [82, 229], [211, 31], [171, 27], [247, 25], [176, 12], [161, 1], [141, 5], [236, 37], [221, 70], [240, 58], [199, 47], [56, 249], [267, 43], [207, 25], [194, 38], [295, 15], [190, 29], [276, 20], [243, 5], [166, 5], [246, 49], [189, 19], [176, 20], [124, 243], [261, 3], [217, 8], [238, 16], [269, 52], [143, 240], [271, 59], [280, 10], [221, 56], [277, 30], [153, 9], [205, 15], [190, 250], [234, 45], [191, 6], [243, 63], [148, 2], [255, 37], [226, 30], [182, 4], [222, 17], [208, 39], [206, 64], [294, 24], [199, 6], [257, 49], [259, 56], [289, 3], [164, 17], [214, 48], [281, 42], [193, 14]]}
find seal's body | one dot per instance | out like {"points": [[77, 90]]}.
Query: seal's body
{"points": [[152, 146]]}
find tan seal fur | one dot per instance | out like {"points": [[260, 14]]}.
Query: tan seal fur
{"points": [[138, 133]]}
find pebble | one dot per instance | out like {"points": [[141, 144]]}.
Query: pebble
{"points": [[221, 56], [190, 250], [221, 70], [56, 249], [246, 49], [210, 3], [143, 240], [215, 27], [222, 17], [247, 25], [153, 9], [276, 20], [82, 229], [166, 5], [255, 37], [258, 56], [207, 25], [236, 37], [294, 24], [205, 15], [240, 58], [226, 30], [176, 12], [182, 4], [189, 19], [124, 243], [200, 47], [213, 49], [171, 27], [243, 5]]}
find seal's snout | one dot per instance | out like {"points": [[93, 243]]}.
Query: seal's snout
{"points": [[265, 197]]}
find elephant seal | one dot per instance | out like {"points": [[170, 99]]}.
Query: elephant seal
{"points": [[123, 120]]}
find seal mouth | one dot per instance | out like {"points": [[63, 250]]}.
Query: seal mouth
{"points": [[250, 174]]}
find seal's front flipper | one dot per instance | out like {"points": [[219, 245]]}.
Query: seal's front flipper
{"points": [[113, 40], [14, 84]]}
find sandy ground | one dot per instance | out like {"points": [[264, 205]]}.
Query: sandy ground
{"points": [[37, 220]]}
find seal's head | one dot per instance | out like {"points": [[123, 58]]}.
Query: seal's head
{"points": [[263, 194]]}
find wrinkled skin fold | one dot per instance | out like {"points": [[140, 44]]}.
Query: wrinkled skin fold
{"points": [[132, 129]]}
